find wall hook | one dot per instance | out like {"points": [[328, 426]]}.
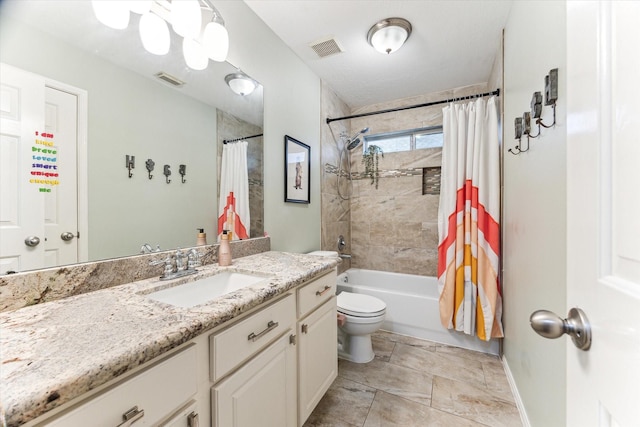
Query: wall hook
{"points": [[150, 164], [167, 173], [182, 169], [130, 164]]}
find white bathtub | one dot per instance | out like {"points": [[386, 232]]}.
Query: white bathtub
{"points": [[412, 306]]}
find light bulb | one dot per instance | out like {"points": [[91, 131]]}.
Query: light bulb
{"points": [[216, 41], [194, 54], [186, 18], [113, 14], [154, 34]]}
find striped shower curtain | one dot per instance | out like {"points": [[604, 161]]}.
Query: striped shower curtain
{"points": [[233, 206], [469, 220]]}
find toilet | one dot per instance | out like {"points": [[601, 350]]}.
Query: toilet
{"points": [[363, 315]]}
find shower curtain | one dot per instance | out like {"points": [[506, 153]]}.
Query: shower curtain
{"points": [[468, 220], [233, 206]]}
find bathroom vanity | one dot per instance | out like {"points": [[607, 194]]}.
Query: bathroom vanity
{"points": [[260, 355]]}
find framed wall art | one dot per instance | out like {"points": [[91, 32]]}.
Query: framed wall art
{"points": [[297, 171]]}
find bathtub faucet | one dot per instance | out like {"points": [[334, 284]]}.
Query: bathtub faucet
{"points": [[345, 256]]}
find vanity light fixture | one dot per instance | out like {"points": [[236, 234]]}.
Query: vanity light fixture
{"points": [[389, 35], [240, 83], [199, 24]]}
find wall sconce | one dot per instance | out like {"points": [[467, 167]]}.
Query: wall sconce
{"points": [[198, 22], [389, 35], [240, 83]]}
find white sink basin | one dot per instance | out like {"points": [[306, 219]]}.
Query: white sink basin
{"points": [[204, 290]]}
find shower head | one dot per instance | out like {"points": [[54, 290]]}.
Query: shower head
{"points": [[354, 141]]}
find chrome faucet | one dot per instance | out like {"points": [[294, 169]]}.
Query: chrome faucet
{"points": [[146, 249], [179, 264]]}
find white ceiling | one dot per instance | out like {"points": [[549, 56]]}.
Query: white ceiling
{"points": [[453, 43]]}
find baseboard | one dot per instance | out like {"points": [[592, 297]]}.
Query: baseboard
{"points": [[516, 395]]}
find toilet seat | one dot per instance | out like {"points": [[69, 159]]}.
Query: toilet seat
{"points": [[360, 305]]}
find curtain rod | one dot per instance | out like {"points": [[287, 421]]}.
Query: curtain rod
{"points": [[428, 104], [226, 141]]}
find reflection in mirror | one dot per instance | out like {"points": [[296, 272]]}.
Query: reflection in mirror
{"points": [[128, 111]]}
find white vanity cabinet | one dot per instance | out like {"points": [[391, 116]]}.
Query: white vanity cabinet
{"points": [[158, 395], [317, 342], [262, 391], [272, 368]]}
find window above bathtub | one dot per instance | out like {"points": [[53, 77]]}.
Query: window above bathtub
{"points": [[406, 140]]}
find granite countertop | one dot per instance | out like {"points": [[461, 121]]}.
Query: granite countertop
{"points": [[54, 352]]}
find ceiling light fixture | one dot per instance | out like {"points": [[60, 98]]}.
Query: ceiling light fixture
{"points": [[240, 83], [389, 35], [197, 21]]}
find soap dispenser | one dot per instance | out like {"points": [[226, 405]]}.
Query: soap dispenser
{"points": [[201, 239], [224, 251]]}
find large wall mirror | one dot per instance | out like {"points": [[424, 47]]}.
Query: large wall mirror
{"points": [[130, 112]]}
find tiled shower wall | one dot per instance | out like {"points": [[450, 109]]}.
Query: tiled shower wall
{"points": [[335, 211], [394, 227]]}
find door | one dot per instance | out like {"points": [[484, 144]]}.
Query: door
{"points": [[38, 184], [60, 214], [603, 210]]}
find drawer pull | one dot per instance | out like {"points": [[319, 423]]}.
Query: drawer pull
{"points": [[322, 292], [270, 326], [131, 416], [193, 420]]}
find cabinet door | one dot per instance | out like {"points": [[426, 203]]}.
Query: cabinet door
{"points": [[317, 356], [157, 392], [262, 392]]}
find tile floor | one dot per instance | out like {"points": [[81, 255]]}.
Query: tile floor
{"points": [[413, 382]]}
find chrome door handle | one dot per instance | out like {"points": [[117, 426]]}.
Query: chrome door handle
{"points": [[32, 241], [576, 325], [66, 236]]}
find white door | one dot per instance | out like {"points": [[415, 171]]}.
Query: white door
{"points": [[61, 205], [38, 188], [603, 210]]}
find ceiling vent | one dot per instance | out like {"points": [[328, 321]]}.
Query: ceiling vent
{"points": [[326, 47], [168, 78]]}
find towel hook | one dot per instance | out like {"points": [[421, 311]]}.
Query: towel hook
{"points": [[167, 173], [150, 164], [182, 170]]}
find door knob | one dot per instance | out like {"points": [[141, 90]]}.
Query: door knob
{"points": [[32, 241], [576, 325], [66, 236]]}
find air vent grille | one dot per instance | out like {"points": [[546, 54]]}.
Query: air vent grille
{"points": [[326, 47], [174, 81]]}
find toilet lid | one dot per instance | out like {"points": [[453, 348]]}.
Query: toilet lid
{"points": [[360, 305]]}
